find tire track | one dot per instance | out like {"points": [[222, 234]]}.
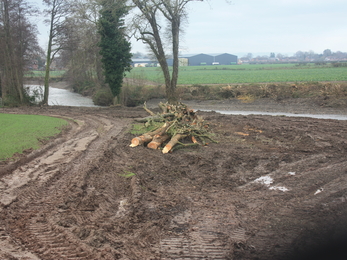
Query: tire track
{"points": [[201, 233], [202, 241], [40, 184]]}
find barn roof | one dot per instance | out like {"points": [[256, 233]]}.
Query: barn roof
{"points": [[191, 55], [209, 54]]}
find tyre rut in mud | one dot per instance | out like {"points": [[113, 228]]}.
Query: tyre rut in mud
{"points": [[266, 192]]}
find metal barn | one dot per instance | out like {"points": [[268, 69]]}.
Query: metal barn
{"points": [[198, 59], [210, 59], [224, 59]]}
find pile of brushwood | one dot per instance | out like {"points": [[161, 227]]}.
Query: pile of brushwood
{"points": [[174, 126]]}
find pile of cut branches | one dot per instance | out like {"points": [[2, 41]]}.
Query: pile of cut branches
{"points": [[178, 123]]}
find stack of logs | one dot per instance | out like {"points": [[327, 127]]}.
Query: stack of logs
{"points": [[179, 122]]}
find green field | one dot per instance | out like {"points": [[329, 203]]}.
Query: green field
{"points": [[232, 74], [21, 132]]}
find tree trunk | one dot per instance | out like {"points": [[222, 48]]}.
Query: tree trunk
{"points": [[12, 85], [174, 140], [139, 140], [48, 61], [171, 92], [157, 141], [147, 137]]}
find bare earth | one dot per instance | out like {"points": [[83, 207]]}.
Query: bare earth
{"points": [[272, 188]]}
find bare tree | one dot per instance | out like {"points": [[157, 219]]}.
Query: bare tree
{"points": [[11, 83], [17, 47], [81, 53], [57, 11], [151, 33]]}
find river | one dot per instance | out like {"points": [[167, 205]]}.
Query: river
{"points": [[319, 116], [64, 97]]}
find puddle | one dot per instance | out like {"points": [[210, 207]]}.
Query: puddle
{"points": [[267, 181], [318, 191], [281, 188]]}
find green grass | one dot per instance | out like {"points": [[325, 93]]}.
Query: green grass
{"points": [[140, 128], [259, 73], [21, 132]]}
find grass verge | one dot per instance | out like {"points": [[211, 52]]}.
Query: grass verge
{"points": [[22, 132]]}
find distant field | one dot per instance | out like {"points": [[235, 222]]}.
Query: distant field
{"points": [[21, 132], [232, 74]]}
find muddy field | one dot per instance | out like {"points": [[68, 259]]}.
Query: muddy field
{"points": [[272, 188]]}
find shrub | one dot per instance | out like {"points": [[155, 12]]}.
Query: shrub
{"points": [[229, 92], [338, 64], [103, 97], [134, 95]]}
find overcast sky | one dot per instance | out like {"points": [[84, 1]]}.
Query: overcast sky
{"points": [[262, 26]]}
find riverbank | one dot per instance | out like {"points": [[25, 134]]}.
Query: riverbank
{"points": [[321, 105], [53, 84], [293, 105], [329, 97]]}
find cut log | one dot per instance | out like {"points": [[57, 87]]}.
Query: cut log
{"points": [[145, 138], [180, 119], [157, 141], [162, 130], [174, 140]]}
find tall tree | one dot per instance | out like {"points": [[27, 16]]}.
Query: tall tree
{"points": [[149, 30], [57, 10], [81, 55], [327, 53], [10, 79], [115, 48], [18, 44]]}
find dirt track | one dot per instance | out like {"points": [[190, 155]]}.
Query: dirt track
{"points": [[273, 188]]}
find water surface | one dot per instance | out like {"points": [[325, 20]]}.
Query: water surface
{"points": [[62, 97], [319, 116]]}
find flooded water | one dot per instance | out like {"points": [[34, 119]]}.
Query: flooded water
{"points": [[63, 97], [319, 116]]}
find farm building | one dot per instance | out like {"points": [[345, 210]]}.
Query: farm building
{"points": [[210, 59], [144, 63], [192, 60]]}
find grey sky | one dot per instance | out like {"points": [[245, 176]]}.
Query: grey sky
{"points": [[254, 26]]}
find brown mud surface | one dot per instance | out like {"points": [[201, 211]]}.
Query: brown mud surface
{"points": [[274, 187]]}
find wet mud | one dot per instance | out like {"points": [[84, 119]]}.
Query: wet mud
{"points": [[272, 188]]}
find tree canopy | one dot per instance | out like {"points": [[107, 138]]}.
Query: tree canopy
{"points": [[148, 29], [57, 10], [18, 46], [115, 48]]}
